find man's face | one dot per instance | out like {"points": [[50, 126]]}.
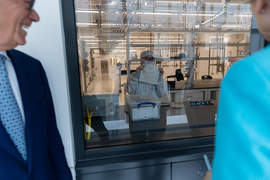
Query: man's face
{"points": [[261, 11], [15, 16]]}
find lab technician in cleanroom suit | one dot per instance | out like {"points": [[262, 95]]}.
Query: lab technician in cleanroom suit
{"points": [[156, 129], [135, 87]]}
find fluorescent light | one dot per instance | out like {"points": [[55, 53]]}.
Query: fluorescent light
{"points": [[231, 26], [159, 13], [87, 36], [169, 2], [148, 37], [144, 37], [242, 15], [177, 40], [87, 11], [86, 24], [167, 10], [153, 43], [110, 24], [168, 40], [192, 14], [116, 40], [91, 40], [176, 14], [216, 36]]}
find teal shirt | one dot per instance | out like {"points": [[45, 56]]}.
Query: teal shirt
{"points": [[242, 145]]}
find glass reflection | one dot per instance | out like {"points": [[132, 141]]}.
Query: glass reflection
{"points": [[191, 41]]}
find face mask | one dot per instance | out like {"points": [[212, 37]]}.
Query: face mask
{"points": [[143, 61]]}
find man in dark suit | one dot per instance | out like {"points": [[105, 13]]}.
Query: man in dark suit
{"points": [[30, 144]]}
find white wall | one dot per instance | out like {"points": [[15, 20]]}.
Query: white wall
{"points": [[45, 42]]}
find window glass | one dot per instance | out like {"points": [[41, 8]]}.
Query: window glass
{"points": [[150, 70]]}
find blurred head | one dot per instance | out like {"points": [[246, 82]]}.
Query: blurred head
{"points": [[15, 17], [147, 57], [261, 11]]}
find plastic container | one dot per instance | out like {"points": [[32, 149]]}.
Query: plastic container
{"points": [[182, 55], [142, 107]]}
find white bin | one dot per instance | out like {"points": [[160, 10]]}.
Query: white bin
{"points": [[142, 107]]}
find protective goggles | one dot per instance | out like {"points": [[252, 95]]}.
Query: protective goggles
{"points": [[149, 58]]}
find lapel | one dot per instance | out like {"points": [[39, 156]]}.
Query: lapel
{"points": [[24, 80], [8, 145]]}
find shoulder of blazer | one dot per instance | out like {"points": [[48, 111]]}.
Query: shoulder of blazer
{"points": [[23, 60]]}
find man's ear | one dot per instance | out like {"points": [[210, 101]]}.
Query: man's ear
{"points": [[261, 6]]}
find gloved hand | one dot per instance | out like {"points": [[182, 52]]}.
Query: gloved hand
{"points": [[138, 71], [161, 71]]}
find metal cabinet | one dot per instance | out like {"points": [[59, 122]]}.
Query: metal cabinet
{"points": [[213, 94], [172, 165], [157, 172], [195, 95], [189, 170], [189, 95]]}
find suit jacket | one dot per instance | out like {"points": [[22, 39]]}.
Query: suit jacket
{"points": [[45, 151], [242, 147]]}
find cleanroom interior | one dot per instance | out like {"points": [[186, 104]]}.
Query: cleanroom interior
{"points": [[198, 37]]}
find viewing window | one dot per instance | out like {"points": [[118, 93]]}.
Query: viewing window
{"points": [[129, 97]]}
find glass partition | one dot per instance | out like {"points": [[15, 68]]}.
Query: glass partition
{"points": [[151, 70]]}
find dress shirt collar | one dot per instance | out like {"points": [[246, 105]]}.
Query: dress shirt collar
{"points": [[5, 54]]}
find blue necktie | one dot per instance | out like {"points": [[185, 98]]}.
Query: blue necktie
{"points": [[10, 114]]}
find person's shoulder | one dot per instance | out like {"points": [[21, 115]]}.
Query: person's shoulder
{"points": [[253, 67], [259, 59], [18, 55], [133, 74]]}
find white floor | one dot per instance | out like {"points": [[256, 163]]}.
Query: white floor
{"points": [[107, 84]]}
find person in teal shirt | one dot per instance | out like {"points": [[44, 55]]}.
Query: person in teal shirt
{"points": [[242, 145]]}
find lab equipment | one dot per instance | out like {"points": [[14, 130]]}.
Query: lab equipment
{"points": [[119, 67], [178, 75], [182, 55], [198, 103], [200, 172], [142, 107], [196, 114], [207, 77], [87, 134], [103, 104]]}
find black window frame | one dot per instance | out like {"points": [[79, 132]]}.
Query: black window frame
{"points": [[82, 154]]}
